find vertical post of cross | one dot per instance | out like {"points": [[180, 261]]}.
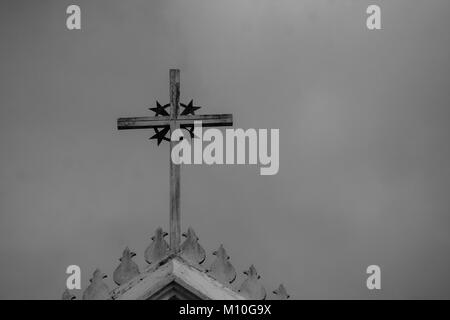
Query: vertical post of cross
{"points": [[175, 223]]}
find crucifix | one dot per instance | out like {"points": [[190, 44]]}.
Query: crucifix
{"points": [[164, 123]]}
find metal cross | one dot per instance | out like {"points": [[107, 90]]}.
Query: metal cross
{"points": [[165, 123]]}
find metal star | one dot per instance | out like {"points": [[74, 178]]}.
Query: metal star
{"points": [[189, 108], [189, 128], [161, 135], [160, 110]]}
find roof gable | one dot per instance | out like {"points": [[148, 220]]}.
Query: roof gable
{"points": [[174, 278], [181, 275]]}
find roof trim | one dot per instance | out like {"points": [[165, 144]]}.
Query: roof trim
{"points": [[174, 269]]}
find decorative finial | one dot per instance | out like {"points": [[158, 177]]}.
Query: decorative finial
{"points": [[127, 268], [281, 293], [158, 249], [251, 288], [98, 289], [67, 295], [191, 250], [221, 269]]}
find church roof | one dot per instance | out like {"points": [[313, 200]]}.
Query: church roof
{"points": [[181, 275], [174, 277]]}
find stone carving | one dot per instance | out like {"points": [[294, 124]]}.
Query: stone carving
{"points": [[221, 269], [191, 250], [67, 295], [127, 268], [98, 289], [158, 249], [281, 293], [251, 288]]}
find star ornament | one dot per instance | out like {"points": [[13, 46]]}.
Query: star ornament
{"points": [[189, 109], [190, 129], [160, 110], [160, 135]]}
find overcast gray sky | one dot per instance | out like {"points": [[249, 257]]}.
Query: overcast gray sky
{"points": [[364, 140]]}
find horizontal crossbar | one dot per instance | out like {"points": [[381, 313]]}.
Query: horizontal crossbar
{"points": [[208, 120]]}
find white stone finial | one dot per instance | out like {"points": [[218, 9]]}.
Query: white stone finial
{"points": [[127, 268], [158, 249], [251, 287], [98, 289], [67, 295], [221, 269], [281, 293], [191, 250]]}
